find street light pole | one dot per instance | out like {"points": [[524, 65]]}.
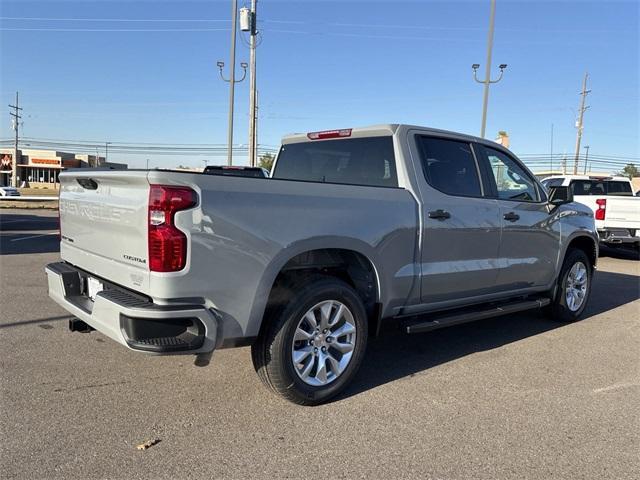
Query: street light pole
{"points": [[551, 154], [487, 75], [232, 79], [586, 159], [487, 70]]}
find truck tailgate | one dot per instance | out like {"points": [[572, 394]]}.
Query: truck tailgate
{"points": [[622, 212], [103, 224]]}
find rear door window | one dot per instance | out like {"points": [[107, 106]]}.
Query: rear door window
{"points": [[355, 161], [450, 166]]}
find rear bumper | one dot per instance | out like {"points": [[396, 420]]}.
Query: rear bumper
{"points": [[132, 320], [617, 236]]}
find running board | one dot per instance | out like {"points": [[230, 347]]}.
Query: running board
{"points": [[471, 316]]}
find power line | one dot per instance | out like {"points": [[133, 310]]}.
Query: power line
{"points": [[86, 30], [149, 20], [294, 22]]}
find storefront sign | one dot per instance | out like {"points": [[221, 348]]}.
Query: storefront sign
{"points": [[5, 161], [44, 161]]}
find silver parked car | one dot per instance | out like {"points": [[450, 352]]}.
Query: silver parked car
{"points": [[355, 227]]}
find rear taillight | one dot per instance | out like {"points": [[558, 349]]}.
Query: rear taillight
{"points": [[167, 244], [601, 211]]}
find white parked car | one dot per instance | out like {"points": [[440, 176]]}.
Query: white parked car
{"points": [[9, 192], [616, 209]]}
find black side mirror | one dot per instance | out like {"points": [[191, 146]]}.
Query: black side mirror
{"points": [[560, 195]]}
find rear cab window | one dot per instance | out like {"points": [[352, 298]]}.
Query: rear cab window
{"points": [[368, 161], [601, 187], [618, 188]]}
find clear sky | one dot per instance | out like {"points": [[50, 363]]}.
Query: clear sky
{"points": [[145, 71]]}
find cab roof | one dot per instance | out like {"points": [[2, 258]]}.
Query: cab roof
{"points": [[604, 176], [379, 131]]}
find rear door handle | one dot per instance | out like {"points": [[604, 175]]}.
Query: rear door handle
{"points": [[511, 217], [439, 214]]}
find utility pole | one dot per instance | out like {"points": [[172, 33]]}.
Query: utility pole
{"points": [[248, 23], [579, 123], [16, 126], [586, 159], [487, 75], [255, 133], [106, 151]]}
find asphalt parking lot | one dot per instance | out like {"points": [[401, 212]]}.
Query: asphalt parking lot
{"points": [[513, 397]]}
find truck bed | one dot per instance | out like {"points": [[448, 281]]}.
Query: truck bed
{"points": [[240, 233]]}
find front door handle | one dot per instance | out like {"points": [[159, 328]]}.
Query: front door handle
{"points": [[439, 214], [511, 217]]}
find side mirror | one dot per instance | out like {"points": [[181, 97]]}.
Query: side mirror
{"points": [[560, 195]]}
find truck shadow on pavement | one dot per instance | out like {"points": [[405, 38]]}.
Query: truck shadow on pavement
{"points": [[30, 242], [620, 253], [22, 233], [23, 222], [36, 321], [395, 355]]}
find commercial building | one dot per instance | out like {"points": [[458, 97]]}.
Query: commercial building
{"points": [[40, 168]]}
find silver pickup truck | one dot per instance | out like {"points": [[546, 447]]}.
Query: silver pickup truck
{"points": [[396, 223]]}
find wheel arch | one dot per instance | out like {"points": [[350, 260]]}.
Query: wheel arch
{"points": [[584, 242], [349, 259]]}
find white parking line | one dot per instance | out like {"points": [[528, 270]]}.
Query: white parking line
{"points": [[34, 236]]}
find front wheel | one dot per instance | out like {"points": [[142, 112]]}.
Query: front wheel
{"points": [[312, 346], [574, 287]]}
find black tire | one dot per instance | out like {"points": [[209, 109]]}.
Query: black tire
{"points": [[559, 309], [272, 351]]}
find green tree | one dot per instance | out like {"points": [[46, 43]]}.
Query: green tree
{"points": [[266, 161], [630, 171]]}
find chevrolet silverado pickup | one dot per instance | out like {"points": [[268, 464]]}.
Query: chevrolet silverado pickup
{"points": [[616, 210], [419, 227]]}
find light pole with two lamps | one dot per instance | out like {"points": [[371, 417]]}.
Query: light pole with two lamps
{"points": [[232, 81], [487, 81]]}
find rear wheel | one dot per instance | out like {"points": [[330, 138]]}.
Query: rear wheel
{"points": [[312, 346], [574, 287]]}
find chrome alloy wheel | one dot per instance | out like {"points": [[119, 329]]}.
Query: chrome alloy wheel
{"points": [[323, 343], [576, 286]]}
